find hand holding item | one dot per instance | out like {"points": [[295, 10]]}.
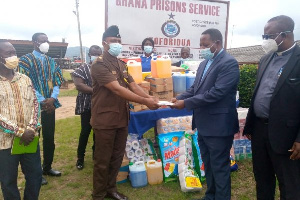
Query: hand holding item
{"points": [[179, 104], [151, 103], [27, 137], [295, 150], [173, 100]]}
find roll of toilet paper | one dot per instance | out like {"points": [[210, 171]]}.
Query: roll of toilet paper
{"points": [[134, 160], [130, 154], [141, 159], [135, 144], [128, 146], [138, 152]]}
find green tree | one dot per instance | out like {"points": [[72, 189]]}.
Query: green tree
{"points": [[247, 84]]}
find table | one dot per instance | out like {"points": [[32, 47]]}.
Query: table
{"points": [[142, 121]]}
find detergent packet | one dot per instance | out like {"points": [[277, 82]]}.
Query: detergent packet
{"points": [[169, 148]]}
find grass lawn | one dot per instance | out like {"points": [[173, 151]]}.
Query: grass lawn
{"points": [[68, 93], [67, 75], [71, 92], [77, 185]]}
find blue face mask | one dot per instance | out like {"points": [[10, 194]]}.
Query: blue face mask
{"points": [[115, 49], [93, 58], [148, 49], [206, 53]]}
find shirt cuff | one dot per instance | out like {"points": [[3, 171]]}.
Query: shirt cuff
{"points": [[55, 92], [40, 97]]}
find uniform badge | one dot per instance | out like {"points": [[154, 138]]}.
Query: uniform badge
{"points": [[125, 73]]}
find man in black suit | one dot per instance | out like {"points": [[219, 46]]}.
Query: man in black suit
{"points": [[273, 121]]}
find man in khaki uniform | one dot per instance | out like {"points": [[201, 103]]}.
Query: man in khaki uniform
{"points": [[112, 88]]}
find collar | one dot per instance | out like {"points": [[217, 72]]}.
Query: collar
{"points": [[149, 56], [16, 77], [109, 57], [217, 54], [38, 54], [286, 52]]}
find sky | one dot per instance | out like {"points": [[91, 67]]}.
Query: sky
{"points": [[19, 19]]}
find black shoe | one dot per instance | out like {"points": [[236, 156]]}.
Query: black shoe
{"points": [[80, 164], [52, 172], [117, 196], [44, 181]]}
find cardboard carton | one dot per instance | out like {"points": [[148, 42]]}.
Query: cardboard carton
{"points": [[161, 88], [136, 108], [145, 85], [159, 81], [163, 96]]}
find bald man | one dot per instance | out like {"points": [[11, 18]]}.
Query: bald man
{"points": [[19, 119], [185, 54], [273, 121]]}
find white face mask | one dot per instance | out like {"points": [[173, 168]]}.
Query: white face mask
{"points": [[44, 47], [11, 62], [270, 45]]}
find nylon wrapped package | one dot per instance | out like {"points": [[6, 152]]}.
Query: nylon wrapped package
{"points": [[174, 124], [134, 151], [188, 177], [149, 151]]}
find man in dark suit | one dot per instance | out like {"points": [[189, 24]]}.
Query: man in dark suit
{"points": [[212, 99], [273, 121]]}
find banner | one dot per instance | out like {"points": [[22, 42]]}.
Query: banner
{"points": [[171, 24]]}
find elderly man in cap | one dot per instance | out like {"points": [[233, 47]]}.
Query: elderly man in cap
{"points": [[113, 87], [185, 54]]}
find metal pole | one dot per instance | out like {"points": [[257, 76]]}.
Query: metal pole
{"points": [[80, 42]]}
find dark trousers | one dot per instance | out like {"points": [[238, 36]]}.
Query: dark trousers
{"points": [[109, 152], [48, 129], [215, 152], [267, 165], [31, 167], [84, 135]]}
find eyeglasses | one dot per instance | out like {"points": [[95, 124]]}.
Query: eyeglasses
{"points": [[274, 36]]}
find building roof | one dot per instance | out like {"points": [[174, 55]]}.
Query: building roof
{"points": [[250, 54], [56, 50]]}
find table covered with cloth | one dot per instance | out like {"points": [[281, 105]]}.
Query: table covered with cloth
{"points": [[142, 121]]}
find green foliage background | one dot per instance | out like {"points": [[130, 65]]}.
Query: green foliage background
{"points": [[247, 84]]}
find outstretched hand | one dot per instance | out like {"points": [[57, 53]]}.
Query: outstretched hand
{"points": [[178, 104], [152, 103]]}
